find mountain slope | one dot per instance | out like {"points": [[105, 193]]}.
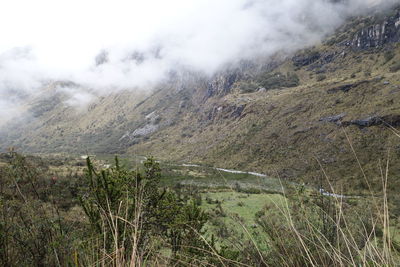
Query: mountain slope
{"points": [[348, 98], [289, 116]]}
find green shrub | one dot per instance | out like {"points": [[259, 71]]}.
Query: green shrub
{"points": [[32, 229], [247, 87], [321, 77], [278, 80], [129, 217], [395, 67], [128, 212], [388, 55], [315, 230]]}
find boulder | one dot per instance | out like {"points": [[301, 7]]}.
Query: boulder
{"points": [[335, 119]]}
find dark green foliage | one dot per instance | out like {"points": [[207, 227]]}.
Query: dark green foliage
{"points": [[388, 55], [316, 223], [395, 67], [128, 210], [132, 220], [247, 87], [312, 229], [128, 216], [321, 77], [32, 231], [278, 80]]}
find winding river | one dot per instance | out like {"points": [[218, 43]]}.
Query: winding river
{"points": [[321, 190]]}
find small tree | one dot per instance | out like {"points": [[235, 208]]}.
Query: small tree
{"points": [[130, 213]]}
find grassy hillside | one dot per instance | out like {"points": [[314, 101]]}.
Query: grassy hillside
{"points": [[327, 122], [326, 110]]}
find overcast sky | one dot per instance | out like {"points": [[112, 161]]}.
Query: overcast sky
{"points": [[65, 35], [69, 33]]}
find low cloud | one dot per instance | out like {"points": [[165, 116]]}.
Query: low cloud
{"points": [[143, 41], [77, 97]]}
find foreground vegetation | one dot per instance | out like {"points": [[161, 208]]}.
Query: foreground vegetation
{"points": [[68, 213]]}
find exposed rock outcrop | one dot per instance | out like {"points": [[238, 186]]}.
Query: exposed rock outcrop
{"points": [[346, 87], [374, 120], [226, 112], [306, 59], [335, 119], [388, 120], [221, 84], [366, 122], [378, 34]]}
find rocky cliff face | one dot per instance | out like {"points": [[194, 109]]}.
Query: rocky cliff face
{"points": [[221, 83], [378, 34]]}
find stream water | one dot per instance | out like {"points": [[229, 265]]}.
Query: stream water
{"points": [[321, 190]]}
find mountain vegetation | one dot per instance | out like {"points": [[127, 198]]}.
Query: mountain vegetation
{"points": [[290, 160], [120, 217], [282, 116]]}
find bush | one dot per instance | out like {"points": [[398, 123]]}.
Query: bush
{"points": [[321, 77], [247, 87], [32, 230], [127, 212], [316, 230], [128, 217], [395, 67], [388, 55], [132, 221], [278, 80]]}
